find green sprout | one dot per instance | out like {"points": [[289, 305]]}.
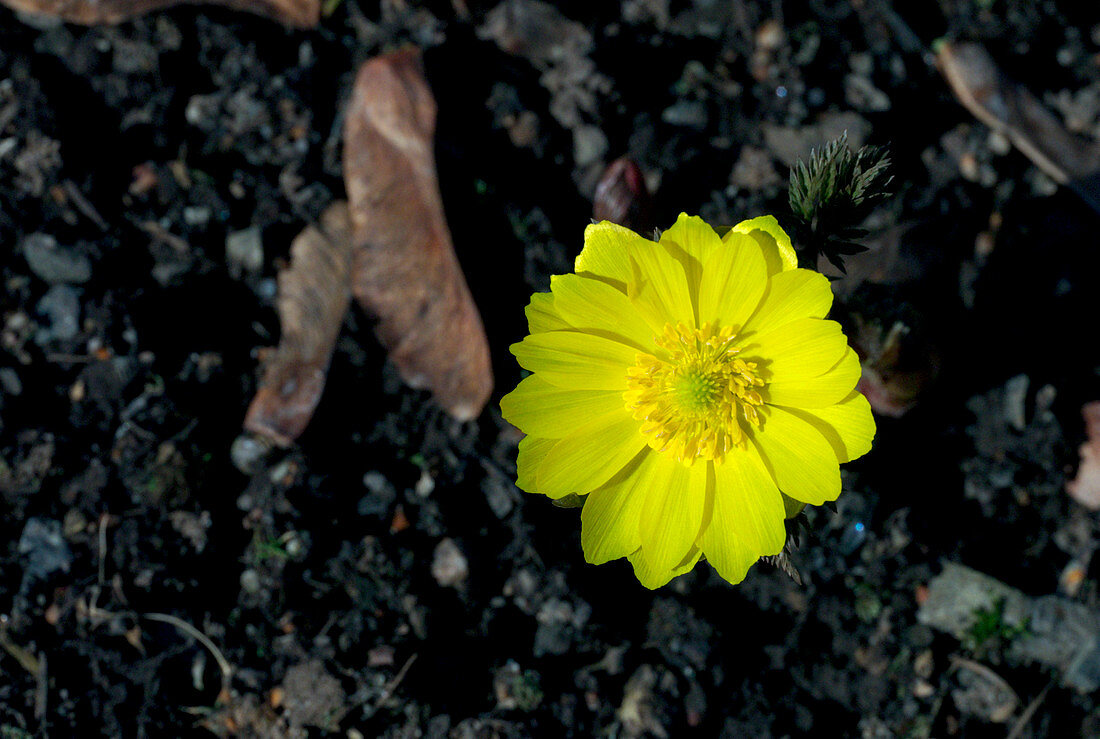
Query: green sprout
{"points": [[990, 624], [831, 195]]}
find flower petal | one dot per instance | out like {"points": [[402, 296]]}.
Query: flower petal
{"points": [[591, 455], [609, 519], [747, 515], [604, 252], [691, 241], [800, 460], [732, 283], [595, 306], [652, 577], [799, 350], [542, 316], [658, 287], [817, 392], [576, 360], [532, 450], [794, 294], [536, 407], [849, 425], [776, 244], [693, 235], [672, 515]]}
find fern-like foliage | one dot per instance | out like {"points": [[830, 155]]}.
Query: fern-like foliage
{"points": [[831, 195]]}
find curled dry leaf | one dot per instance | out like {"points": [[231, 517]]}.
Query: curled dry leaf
{"points": [[296, 13], [1085, 488], [1010, 108], [404, 269], [314, 295]]}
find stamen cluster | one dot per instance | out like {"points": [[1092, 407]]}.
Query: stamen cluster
{"points": [[692, 396]]}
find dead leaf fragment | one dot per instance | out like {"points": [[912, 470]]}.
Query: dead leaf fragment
{"points": [[404, 269], [1085, 488], [1011, 109], [314, 295], [295, 13]]}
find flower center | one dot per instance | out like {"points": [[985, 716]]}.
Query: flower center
{"points": [[692, 398]]}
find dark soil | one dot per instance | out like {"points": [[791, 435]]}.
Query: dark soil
{"points": [[329, 577]]}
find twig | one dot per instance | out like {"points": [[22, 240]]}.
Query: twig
{"points": [[1025, 717], [201, 638], [387, 691], [24, 657], [84, 205], [41, 688]]}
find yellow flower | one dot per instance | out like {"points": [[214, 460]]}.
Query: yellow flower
{"points": [[682, 385]]}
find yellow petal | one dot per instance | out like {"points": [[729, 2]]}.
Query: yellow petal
{"points": [[817, 392], [658, 287], [800, 460], [609, 519], [532, 450], [653, 578], [597, 307], [691, 241], [747, 515], [541, 315], [778, 252], [672, 515], [575, 360], [802, 349], [591, 455], [604, 252], [694, 236], [732, 283], [849, 425], [536, 407], [794, 294]]}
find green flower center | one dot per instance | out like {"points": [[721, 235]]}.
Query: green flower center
{"points": [[693, 398]]}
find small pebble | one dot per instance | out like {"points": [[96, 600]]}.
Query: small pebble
{"points": [[381, 494], [248, 453], [424, 485], [196, 215], [9, 382], [60, 306], [244, 251], [43, 548], [53, 263], [449, 566], [250, 581]]}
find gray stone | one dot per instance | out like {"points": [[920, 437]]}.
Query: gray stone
{"points": [[249, 453], [43, 549], [53, 263], [60, 306], [10, 383], [244, 251], [449, 566], [1056, 632], [686, 113], [381, 494]]}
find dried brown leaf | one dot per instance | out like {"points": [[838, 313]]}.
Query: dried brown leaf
{"points": [[404, 269], [1085, 488], [1010, 108], [296, 13], [314, 295]]}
